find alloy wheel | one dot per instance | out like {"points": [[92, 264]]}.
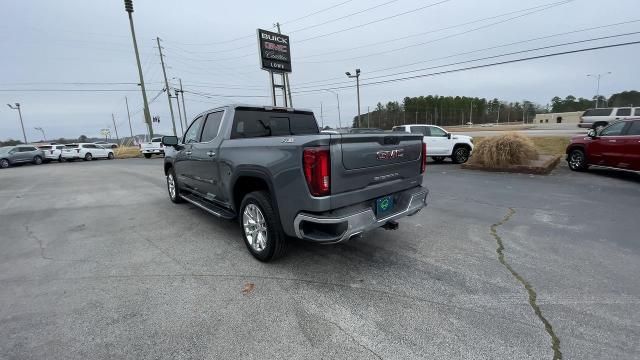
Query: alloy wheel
{"points": [[255, 227]]}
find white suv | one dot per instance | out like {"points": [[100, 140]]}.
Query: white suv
{"points": [[52, 152], [86, 151], [601, 117], [440, 143]]}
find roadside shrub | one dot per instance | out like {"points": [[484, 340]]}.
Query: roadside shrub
{"points": [[500, 151]]}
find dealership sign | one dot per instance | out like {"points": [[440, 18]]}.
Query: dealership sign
{"points": [[275, 53]]}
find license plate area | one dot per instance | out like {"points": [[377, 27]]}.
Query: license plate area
{"points": [[384, 205]]}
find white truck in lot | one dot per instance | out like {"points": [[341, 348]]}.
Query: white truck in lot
{"points": [[441, 144], [152, 147]]}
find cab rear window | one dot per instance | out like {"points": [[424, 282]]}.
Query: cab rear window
{"points": [[259, 122]]}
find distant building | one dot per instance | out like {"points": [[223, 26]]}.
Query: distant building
{"points": [[572, 117]]}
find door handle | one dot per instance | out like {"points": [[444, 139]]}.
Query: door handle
{"points": [[187, 152], [211, 153], [612, 141]]}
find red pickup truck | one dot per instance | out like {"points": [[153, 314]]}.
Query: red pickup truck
{"points": [[615, 146]]}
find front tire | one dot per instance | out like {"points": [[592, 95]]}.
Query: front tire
{"points": [[260, 226], [577, 160], [88, 157], [460, 155], [37, 160], [172, 187], [110, 156], [4, 163]]}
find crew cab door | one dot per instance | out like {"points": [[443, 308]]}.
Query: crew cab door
{"points": [[632, 146], [608, 148], [432, 142], [204, 157], [182, 161]]}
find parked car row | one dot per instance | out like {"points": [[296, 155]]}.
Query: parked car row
{"points": [[38, 154]]}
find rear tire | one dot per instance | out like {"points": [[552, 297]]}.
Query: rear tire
{"points": [[577, 160], [37, 160], [274, 245], [460, 154], [147, 156], [88, 157], [110, 156], [4, 163]]}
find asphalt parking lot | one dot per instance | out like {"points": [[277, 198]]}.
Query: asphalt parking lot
{"points": [[97, 263]]}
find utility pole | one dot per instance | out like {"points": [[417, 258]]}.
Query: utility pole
{"points": [[338, 100], [128, 6], [598, 76], [471, 112], [177, 92], [126, 101], [44, 136], [498, 118], [115, 128], [166, 84], [321, 115], [368, 118], [184, 108], [17, 107], [357, 76]]}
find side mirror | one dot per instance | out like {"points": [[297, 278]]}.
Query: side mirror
{"points": [[448, 135], [592, 133], [170, 140]]}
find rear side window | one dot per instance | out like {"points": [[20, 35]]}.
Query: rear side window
{"points": [[420, 130], [44, 147], [256, 122], [634, 129], [26, 148], [156, 140], [636, 112], [598, 112], [623, 112], [398, 129], [211, 126]]}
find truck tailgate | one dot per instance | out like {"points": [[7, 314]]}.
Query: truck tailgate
{"points": [[374, 163]]}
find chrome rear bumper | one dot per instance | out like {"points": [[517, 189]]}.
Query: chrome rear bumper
{"points": [[342, 224]]}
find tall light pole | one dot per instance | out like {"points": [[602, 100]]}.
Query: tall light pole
{"points": [[17, 107], [357, 76], [128, 7], [598, 76], [44, 137], [177, 92], [338, 100]]}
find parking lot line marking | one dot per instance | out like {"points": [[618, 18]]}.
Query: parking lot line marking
{"points": [[555, 341]]}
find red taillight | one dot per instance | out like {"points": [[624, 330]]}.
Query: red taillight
{"points": [[423, 166], [317, 170]]}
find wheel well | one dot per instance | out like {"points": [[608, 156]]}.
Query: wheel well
{"points": [[576, 147], [461, 145], [167, 167], [245, 185]]}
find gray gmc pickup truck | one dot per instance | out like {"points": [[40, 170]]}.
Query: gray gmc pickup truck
{"points": [[273, 170]]}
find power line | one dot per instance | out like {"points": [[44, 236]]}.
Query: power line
{"points": [[377, 43], [476, 51], [343, 17], [443, 37], [478, 66], [315, 12], [374, 21], [482, 58]]}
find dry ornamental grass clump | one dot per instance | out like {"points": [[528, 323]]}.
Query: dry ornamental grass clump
{"points": [[504, 150]]}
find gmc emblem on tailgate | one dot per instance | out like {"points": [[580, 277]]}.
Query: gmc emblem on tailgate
{"points": [[389, 154]]}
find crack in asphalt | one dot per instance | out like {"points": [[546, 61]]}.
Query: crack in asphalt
{"points": [[354, 339], [43, 248], [555, 341]]}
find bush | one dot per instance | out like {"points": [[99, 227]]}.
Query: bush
{"points": [[504, 150]]}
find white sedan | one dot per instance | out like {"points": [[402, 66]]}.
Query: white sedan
{"points": [[86, 151]]}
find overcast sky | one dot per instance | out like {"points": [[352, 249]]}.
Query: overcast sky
{"points": [[49, 44]]}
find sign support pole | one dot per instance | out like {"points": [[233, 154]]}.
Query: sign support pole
{"points": [[273, 88]]}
